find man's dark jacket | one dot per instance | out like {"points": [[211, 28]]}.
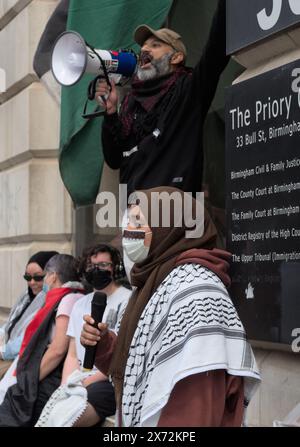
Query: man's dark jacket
{"points": [[24, 401]]}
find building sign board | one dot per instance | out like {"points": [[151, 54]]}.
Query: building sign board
{"points": [[263, 201], [251, 21]]}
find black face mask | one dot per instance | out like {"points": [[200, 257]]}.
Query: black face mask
{"points": [[99, 279]]}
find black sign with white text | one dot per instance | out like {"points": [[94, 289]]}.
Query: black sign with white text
{"points": [[250, 21], [263, 201]]}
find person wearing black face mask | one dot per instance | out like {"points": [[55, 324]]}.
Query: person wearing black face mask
{"points": [[101, 267], [98, 277]]}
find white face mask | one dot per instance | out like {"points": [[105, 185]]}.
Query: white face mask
{"points": [[46, 288], [135, 248], [128, 264]]}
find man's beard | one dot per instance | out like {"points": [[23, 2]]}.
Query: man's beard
{"points": [[159, 67]]}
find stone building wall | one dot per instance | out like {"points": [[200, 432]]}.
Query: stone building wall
{"points": [[35, 209]]}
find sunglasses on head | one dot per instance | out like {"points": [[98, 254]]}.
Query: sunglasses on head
{"points": [[36, 278]]}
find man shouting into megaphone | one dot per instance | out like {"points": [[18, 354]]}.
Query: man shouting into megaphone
{"points": [[155, 138]]}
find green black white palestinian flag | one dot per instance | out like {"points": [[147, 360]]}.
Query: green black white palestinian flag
{"points": [[42, 58]]}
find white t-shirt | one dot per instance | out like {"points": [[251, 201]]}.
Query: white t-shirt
{"points": [[115, 306], [65, 308]]}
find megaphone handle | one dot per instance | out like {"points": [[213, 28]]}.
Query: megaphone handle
{"points": [[91, 96], [103, 99], [92, 88]]}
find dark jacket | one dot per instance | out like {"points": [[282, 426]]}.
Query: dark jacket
{"points": [[24, 401], [170, 152]]}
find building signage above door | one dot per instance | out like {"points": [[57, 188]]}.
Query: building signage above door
{"points": [[251, 21]]}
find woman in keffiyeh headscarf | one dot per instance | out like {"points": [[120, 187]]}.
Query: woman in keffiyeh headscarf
{"points": [[181, 357]]}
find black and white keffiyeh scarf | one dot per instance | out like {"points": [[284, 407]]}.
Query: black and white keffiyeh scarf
{"points": [[189, 326], [21, 314]]}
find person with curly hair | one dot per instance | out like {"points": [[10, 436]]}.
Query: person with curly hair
{"points": [[102, 268]]}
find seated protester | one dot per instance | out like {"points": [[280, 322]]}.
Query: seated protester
{"points": [[181, 357], [38, 369], [23, 311], [102, 267]]}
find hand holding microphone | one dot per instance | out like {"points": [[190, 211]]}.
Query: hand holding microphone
{"points": [[90, 336]]}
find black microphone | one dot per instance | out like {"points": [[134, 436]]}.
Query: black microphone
{"points": [[98, 307]]}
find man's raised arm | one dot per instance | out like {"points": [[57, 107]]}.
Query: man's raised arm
{"points": [[213, 61]]}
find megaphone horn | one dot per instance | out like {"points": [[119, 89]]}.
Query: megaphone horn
{"points": [[72, 57]]}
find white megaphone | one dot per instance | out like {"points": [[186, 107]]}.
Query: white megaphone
{"points": [[72, 57]]}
